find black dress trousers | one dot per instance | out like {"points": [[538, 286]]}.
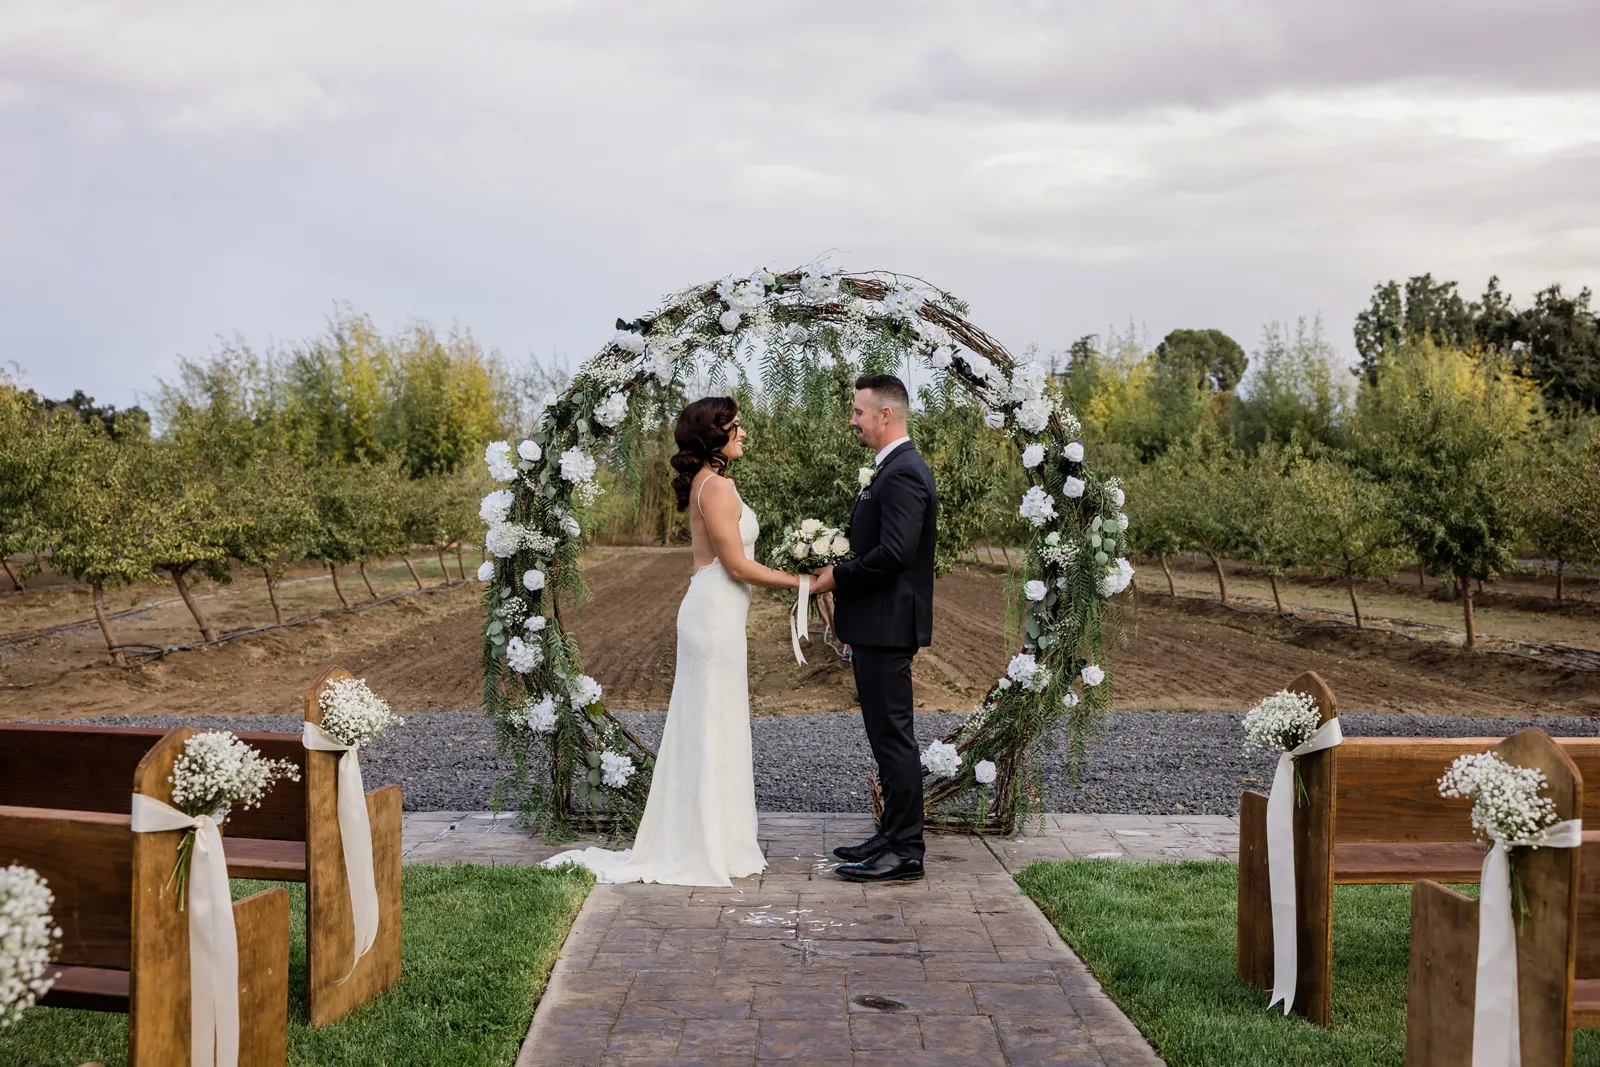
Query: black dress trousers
{"points": [[883, 680]]}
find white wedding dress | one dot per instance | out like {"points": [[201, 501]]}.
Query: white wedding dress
{"points": [[699, 824]]}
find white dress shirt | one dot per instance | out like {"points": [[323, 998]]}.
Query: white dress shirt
{"points": [[883, 452]]}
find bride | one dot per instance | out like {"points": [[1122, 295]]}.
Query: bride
{"points": [[699, 824]]}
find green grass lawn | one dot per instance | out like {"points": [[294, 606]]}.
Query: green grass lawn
{"points": [[479, 943], [1160, 938]]}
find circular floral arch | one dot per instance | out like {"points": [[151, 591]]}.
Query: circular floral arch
{"points": [[576, 765]]}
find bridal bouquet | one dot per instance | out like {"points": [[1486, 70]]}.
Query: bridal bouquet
{"points": [[352, 714], [810, 546], [26, 936], [216, 773]]}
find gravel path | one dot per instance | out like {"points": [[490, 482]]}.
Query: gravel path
{"points": [[1148, 762]]}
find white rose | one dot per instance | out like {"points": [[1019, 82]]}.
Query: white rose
{"points": [[1093, 675], [530, 451], [1032, 456], [941, 358], [984, 772], [1070, 699], [995, 419], [840, 545], [533, 580], [1072, 488], [801, 550], [820, 546], [1118, 497], [795, 333], [534, 623], [864, 476], [485, 570], [1122, 521], [811, 527], [629, 341], [729, 320], [1074, 451], [1034, 590]]}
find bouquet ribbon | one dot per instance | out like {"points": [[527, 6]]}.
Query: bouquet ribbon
{"points": [[1496, 1030], [798, 621], [355, 835], [1280, 863], [213, 942]]}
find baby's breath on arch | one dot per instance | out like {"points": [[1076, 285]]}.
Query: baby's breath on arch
{"points": [[575, 765]]}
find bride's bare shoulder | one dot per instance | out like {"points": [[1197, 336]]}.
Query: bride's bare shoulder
{"points": [[716, 492]]}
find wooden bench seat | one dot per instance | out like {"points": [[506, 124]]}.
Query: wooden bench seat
{"points": [[125, 945], [292, 837], [87, 768], [1385, 863], [1373, 816]]}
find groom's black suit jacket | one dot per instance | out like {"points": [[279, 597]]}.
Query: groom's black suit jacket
{"points": [[885, 594]]}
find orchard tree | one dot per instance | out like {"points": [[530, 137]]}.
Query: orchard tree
{"points": [[1157, 521], [1345, 516], [1270, 531], [1549, 484], [1207, 496], [274, 492], [334, 538], [102, 519]]}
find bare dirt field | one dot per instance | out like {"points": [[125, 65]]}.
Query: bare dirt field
{"points": [[421, 650]]}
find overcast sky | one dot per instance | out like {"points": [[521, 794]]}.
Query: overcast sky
{"points": [[172, 171]]}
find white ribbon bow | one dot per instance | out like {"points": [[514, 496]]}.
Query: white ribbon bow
{"points": [[355, 835], [1280, 863], [213, 943], [799, 619], [1496, 1029]]}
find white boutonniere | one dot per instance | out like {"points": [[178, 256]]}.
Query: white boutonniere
{"points": [[865, 475]]}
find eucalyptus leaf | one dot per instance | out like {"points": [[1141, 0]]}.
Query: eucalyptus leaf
{"points": [[594, 777]]}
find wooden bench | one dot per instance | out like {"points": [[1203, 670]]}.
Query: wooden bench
{"points": [[292, 837], [1440, 993], [1372, 815], [125, 944]]}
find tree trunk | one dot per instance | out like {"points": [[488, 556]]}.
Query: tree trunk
{"points": [[361, 565], [1276, 599], [1172, 590], [1561, 566], [1422, 576], [1466, 608], [272, 595], [104, 620], [1222, 579], [1350, 585], [194, 609], [1006, 554], [443, 570], [460, 568], [6, 563], [1480, 585], [337, 588], [413, 571]]}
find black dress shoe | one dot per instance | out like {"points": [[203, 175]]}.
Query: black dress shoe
{"points": [[884, 867], [864, 851]]}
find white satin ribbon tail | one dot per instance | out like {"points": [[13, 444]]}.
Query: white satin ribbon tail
{"points": [[355, 835], [213, 943], [800, 619], [1496, 1026], [1280, 864]]}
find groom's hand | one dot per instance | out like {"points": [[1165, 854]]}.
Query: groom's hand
{"points": [[822, 581]]}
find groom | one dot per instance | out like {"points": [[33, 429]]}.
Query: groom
{"points": [[885, 612]]}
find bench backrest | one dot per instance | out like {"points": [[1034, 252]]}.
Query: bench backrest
{"points": [[87, 858], [90, 768], [1388, 787]]}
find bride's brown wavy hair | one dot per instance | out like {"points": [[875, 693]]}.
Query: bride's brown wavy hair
{"points": [[701, 432]]}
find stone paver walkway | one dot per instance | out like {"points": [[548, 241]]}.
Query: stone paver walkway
{"points": [[799, 967]]}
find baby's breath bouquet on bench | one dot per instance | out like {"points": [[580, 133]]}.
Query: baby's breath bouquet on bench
{"points": [[352, 714], [1506, 806], [1282, 723], [216, 773], [27, 934]]}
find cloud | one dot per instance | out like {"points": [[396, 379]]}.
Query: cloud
{"points": [[534, 170]]}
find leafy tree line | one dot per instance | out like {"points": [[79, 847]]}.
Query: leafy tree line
{"points": [[1448, 458], [347, 449]]}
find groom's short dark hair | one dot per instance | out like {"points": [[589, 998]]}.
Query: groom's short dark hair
{"points": [[890, 391]]}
